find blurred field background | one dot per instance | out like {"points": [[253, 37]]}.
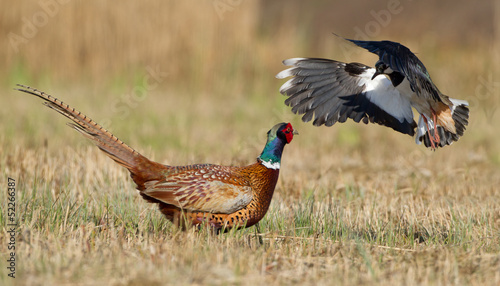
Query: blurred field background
{"points": [[188, 82]]}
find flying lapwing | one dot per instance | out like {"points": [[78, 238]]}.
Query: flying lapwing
{"points": [[332, 91]]}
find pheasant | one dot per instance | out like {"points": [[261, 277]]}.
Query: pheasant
{"points": [[222, 197], [333, 91]]}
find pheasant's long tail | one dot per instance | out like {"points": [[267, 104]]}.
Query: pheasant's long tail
{"points": [[141, 168]]}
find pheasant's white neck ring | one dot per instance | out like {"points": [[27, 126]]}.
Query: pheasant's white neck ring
{"points": [[270, 165]]}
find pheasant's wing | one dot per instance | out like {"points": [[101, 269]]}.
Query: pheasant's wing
{"points": [[399, 58], [202, 188], [333, 91]]}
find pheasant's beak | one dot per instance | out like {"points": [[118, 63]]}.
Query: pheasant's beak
{"points": [[295, 132]]}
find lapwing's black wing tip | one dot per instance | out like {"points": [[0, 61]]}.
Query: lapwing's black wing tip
{"points": [[360, 43], [337, 35], [344, 38], [372, 46]]}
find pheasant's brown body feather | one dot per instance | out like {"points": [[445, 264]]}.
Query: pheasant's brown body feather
{"points": [[220, 196], [262, 181], [205, 188]]}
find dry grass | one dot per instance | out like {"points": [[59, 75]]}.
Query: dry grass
{"points": [[337, 218], [355, 204]]}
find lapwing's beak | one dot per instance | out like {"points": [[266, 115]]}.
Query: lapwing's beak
{"points": [[376, 74]]}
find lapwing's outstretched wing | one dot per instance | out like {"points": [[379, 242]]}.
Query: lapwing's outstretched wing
{"points": [[332, 91], [399, 58]]}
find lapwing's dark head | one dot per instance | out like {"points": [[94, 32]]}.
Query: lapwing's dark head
{"points": [[381, 68]]}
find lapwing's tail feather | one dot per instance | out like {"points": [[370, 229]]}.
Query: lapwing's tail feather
{"points": [[449, 129]]}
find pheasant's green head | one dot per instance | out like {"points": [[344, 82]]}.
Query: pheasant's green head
{"points": [[280, 135]]}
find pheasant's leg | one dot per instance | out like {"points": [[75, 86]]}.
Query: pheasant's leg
{"points": [[429, 130], [257, 233]]}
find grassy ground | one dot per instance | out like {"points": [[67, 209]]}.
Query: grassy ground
{"points": [[355, 204]]}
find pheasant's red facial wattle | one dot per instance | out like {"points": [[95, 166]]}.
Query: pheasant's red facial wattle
{"points": [[289, 132]]}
